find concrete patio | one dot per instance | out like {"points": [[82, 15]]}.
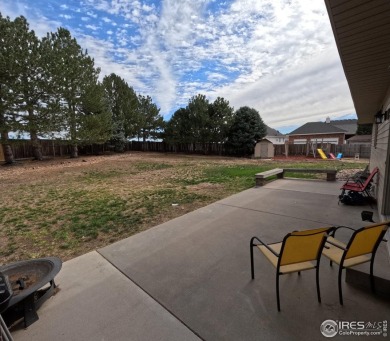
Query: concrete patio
{"points": [[189, 278]]}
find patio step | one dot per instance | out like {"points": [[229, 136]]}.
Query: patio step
{"points": [[361, 279]]}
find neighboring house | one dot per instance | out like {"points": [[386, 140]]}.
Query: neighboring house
{"points": [[349, 126], [333, 132], [361, 29], [275, 136], [360, 139]]}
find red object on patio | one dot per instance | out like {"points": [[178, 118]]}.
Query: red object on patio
{"points": [[360, 186]]}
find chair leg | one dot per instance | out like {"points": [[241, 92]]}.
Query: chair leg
{"points": [[372, 279], [252, 265], [277, 290], [299, 273], [339, 284], [318, 283]]}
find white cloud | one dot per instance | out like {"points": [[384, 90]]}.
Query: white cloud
{"points": [[297, 95], [92, 27], [40, 24], [102, 52], [92, 14], [277, 56], [214, 76], [66, 16]]}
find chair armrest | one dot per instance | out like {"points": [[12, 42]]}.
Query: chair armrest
{"points": [[340, 247], [333, 232], [262, 243], [352, 180]]}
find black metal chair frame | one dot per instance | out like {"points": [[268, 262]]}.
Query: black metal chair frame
{"points": [[278, 272], [345, 249]]}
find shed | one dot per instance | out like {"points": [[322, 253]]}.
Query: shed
{"points": [[264, 149], [2, 157]]}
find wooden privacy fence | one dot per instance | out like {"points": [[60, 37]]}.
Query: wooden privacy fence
{"points": [[348, 150], [23, 148]]}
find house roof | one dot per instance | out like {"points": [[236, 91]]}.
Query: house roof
{"points": [[361, 29], [317, 128], [350, 126], [265, 139], [273, 132]]}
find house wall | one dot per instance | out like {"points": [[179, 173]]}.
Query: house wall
{"points": [[380, 150], [277, 139], [340, 137]]}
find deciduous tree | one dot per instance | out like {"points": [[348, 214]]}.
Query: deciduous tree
{"points": [[364, 129], [247, 128]]}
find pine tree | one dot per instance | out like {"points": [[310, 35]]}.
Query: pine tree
{"points": [[150, 122], [8, 74], [178, 128], [198, 109], [123, 104], [94, 116], [73, 74], [31, 86], [220, 121]]}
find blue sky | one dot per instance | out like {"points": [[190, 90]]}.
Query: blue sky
{"points": [[277, 56]]}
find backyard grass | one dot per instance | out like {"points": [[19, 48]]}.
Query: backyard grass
{"points": [[66, 207]]}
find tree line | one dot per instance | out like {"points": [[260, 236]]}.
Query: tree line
{"points": [[50, 87], [207, 122]]}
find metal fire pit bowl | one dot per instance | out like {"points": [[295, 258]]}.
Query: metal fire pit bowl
{"points": [[27, 279]]}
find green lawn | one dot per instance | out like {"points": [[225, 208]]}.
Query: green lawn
{"points": [[69, 210]]}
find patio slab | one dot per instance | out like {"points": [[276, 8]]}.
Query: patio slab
{"points": [[97, 302], [190, 277], [197, 266]]}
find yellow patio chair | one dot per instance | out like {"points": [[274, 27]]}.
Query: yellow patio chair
{"points": [[361, 248], [299, 251]]}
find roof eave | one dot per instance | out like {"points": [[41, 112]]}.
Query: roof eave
{"points": [[368, 88]]}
